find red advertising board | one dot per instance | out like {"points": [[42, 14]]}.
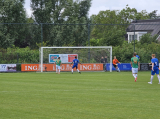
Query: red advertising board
{"points": [[71, 57], [64, 67]]}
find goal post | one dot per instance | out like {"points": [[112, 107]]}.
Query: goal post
{"points": [[86, 54]]}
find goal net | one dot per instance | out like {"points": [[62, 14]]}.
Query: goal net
{"points": [[93, 58]]}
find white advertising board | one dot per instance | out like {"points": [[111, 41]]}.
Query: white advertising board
{"points": [[65, 58], [7, 67]]}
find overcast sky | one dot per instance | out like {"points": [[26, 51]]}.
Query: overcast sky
{"points": [[102, 5]]}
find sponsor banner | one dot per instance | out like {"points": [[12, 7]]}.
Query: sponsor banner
{"points": [[65, 58], [64, 67], [127, 67], [122, 66], [7, 67], [145, 66], [71, 57], [29, 67]]}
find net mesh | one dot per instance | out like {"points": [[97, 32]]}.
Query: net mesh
{"points": [[85, 55]]}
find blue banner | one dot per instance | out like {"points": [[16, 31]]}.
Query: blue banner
{"points": [[122, 66]]}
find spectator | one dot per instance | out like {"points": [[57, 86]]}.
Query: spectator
{"points": [[105, 59], [102, 60], [138, 57]]}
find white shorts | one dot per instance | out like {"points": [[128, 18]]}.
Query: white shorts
{"points": [[134, 70], [58, 67]]}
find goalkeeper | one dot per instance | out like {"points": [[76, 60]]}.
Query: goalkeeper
{"points": [[58, 65], [115, 64]]}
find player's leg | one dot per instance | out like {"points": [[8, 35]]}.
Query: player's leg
{"points": [[59, 69], [136, 77], [152, 74], [134, 74], [56, 69], [78, 70], [115, 66], [157, 72], [73, 68], [136, 71], [158, 78], [118, 70]]}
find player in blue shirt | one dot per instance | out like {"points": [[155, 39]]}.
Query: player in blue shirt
{"points": [[138, 57], [155, 68], [75, 64]]}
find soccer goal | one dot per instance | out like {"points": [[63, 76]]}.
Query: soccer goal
{"points": [[91, 58]]}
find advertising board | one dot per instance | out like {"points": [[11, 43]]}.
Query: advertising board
{"points": [[7, 67], [64, 67], [65, 58]]}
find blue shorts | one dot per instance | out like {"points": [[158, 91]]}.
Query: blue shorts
{"points": [[75, 66], [156, 70]]}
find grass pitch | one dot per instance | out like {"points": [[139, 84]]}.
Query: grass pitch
{"points": [[90, 95]]}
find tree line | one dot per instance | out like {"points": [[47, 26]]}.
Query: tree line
{"points": [[67, 23], [54, 14]]}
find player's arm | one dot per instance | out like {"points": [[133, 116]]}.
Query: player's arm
{"points": [[79, 62], [118, 62], [150, 63], [152, 66], [131, 63], [138, 65]]}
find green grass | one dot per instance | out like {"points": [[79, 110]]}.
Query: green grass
{"points": [[90, 95]]}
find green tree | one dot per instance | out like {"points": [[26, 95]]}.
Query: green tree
{"points": [[77, 14], [12, 11], [110, 34], [153, 15], [116, 24], [128, 14], [61, 13], [148, 38]]}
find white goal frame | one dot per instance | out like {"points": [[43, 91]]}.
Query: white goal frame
{"points": [[107, 47]]}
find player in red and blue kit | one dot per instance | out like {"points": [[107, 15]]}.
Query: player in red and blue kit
{"points": [[75, 64], [155, 68]]}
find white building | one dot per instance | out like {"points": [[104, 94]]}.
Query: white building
{"points": [[140, 27]]}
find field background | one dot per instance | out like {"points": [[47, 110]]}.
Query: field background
{"points": [[90, 95]]}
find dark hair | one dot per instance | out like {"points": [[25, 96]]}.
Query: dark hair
{"points": [[58, 57], [75, 56], [134, 54]]}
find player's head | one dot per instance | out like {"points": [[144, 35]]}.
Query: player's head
{"points": [[59, 58], [105, 56], [75, 57], [114, 57], [153, 55], [134, 54], [101, 57]]}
